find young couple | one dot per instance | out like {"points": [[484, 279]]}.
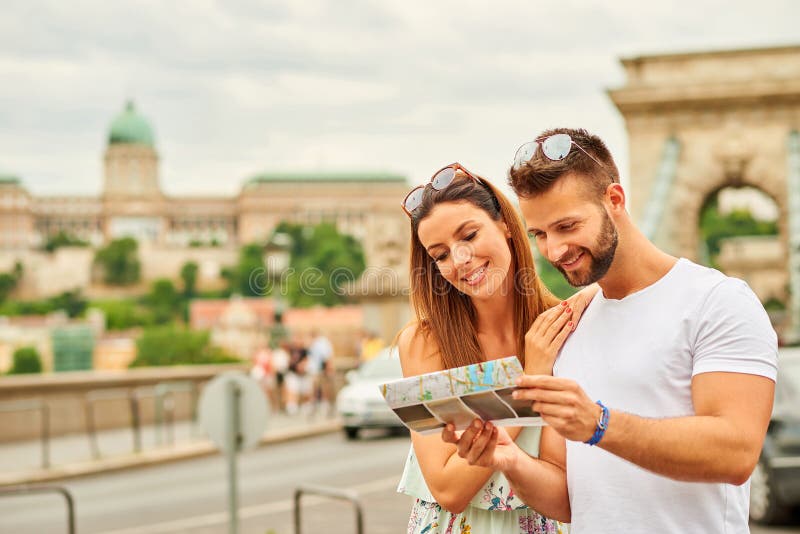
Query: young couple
{"points": [[656, 381]]}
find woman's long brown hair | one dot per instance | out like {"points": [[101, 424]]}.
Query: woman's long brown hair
{"points": [[445, 315]]}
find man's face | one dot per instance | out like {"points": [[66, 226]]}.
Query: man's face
{"points": [[572, 231]]}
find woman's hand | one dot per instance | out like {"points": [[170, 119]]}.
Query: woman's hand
{"points": [[580, 301], [548, 333], [545, 337], [483, 445]]}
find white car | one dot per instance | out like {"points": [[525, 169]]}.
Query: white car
{"points": [[360, 403]]}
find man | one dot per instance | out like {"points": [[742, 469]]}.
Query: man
{"points": [[661, 398]]}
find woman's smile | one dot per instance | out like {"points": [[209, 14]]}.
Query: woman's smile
{"points": [[476, 276]]}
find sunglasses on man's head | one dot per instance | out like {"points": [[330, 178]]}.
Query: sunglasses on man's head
{"points": [[440, 180], [554, 147]]}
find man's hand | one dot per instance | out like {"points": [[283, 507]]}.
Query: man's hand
{"points": [[562, 404], [483, 444]]}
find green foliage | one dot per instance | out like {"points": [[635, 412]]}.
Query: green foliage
{"points": [[197, 243], [247, 277], [322, 262], [163, 301], [7, 284], [168, 345], [71, 302], [774, 304], [714, 226], [553, 279], [120, 262], [123, 314], [9, 281], [63, 239], [189, 278], [26, 361], [26, 307]]}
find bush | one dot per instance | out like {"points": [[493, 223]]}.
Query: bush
{"points": [[123, 314], [72, 302], [63, 239], [168, 345], [26, 361]]}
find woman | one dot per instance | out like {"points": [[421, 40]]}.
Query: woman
{"points": [[477, 297]]}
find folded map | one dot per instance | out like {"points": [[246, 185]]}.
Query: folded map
{"points": [[425, 403]]}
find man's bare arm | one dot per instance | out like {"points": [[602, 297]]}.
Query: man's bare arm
{"points": [[720, 443]]}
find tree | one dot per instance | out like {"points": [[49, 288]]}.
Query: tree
{"points": [[164, 301], [120, 262], [9, 281], [189, 278], [26, 360], [323, 261], [714, 226], [246, 278], [7, 284], [71, 302]]}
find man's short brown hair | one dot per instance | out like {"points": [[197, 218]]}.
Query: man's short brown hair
{"points": [[539, 174]]}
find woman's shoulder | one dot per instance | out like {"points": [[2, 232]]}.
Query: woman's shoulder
{"points": [[418, 351]]}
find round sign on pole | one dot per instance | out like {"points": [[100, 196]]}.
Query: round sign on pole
{"points": [[252, 410]]}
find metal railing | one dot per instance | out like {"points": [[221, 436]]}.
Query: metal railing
{"points": [[92, 397], [36, 405], [332, 493], [165, 407], [27, 490], [163, 395]]}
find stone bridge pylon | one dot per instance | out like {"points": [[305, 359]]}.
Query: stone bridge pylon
{"points": [[701, 122]]}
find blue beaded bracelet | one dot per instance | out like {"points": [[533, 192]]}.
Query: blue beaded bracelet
{"points": [[602, 424]]}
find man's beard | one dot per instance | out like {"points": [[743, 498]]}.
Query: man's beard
{"points": [[601, 257]]}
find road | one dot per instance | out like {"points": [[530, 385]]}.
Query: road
{"points": [[191, 496]]}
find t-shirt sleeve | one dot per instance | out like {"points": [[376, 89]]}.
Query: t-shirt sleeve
{"points": [[734, 333]]}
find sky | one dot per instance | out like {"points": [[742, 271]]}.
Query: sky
{"points": [[236, 88]]}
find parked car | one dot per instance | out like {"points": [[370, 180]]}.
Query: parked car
{"points": [[360, 403], [775, 483]]}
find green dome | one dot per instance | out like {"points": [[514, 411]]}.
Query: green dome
{"points": [[130, 127]]}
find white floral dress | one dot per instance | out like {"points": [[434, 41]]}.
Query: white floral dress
{"points": [[494, 509]]}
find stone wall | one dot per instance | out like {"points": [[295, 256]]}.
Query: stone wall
{"points": [[66, 394]]}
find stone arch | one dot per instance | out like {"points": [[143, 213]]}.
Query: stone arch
{"points": [[695, 201], [733, 120]]}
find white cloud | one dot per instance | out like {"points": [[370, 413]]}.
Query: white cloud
{"points": [[235, 88]]}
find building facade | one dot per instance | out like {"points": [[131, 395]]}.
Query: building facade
{"points": [[208, 229]]}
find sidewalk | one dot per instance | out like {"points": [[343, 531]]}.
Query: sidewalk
{"points": [[71, 455]]}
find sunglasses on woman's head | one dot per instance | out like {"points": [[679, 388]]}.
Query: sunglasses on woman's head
{"points": [[440, 180], [554, 147]]}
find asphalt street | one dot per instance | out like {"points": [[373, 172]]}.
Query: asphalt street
{"points": [[191, 496]]}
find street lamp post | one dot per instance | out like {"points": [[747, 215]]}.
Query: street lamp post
{"points": [[277, 255]]}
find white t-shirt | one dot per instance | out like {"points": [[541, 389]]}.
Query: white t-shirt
{"points": [[319, 353], [639, 355]]}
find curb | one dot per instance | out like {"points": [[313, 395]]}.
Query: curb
{"points": [[155, 457]]}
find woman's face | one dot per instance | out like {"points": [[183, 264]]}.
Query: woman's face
{"points": [[470, 249]]}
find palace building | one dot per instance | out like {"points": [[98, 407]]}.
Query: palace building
{"points": [[171, 230]]}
